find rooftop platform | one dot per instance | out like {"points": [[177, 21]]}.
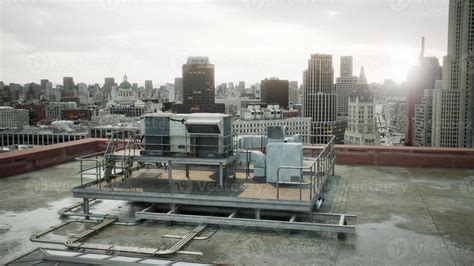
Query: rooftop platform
{"points": [[406, 216], [202, 188]]}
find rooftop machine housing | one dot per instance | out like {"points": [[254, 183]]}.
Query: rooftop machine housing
{"points": [[187, 135]]}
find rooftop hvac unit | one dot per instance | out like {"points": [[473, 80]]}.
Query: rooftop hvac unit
{"points": [[196, 135]]}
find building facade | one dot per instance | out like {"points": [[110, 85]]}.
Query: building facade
{"points": [[423, 121], [12, 118], [453, 104], [198, 88], [54, 110], [347, 67], [422, 77], [395, 113], [319, 98], [345, 86], [298, 125], [362, 126], [275, 91]]}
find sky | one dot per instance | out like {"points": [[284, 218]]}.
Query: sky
{"points": [[247, 40]]}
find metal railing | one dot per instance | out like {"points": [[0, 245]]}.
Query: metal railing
{"points": [[101, 160], [319, 171]]}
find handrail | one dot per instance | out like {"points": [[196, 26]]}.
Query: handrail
{"points": [[329, 149]]}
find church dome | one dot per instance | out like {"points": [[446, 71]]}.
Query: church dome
{"points": [[125, 84]]}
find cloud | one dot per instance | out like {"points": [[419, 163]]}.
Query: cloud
{"points": [[248, 39]]}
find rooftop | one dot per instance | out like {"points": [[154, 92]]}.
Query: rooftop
{"points": [[405, 216]]}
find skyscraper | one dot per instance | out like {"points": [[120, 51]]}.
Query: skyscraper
{"points": [[319, 97], [198, 88], [346, 67], [275, 91], [294, 92], [68, 88], [148, 88], [178, 89], [107, 89], [46, 87], [241, 85], [420, 78], [198, 81], [453, 104], [346, 85]]}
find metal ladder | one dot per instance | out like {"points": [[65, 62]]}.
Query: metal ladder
{"points": [[127, 158], [109, 160]]}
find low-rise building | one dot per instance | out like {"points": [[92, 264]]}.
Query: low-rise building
{"points": [[255, 121], [361, 127], [10, 117]]}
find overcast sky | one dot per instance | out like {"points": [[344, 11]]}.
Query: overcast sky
{"points": [[246, 39]]}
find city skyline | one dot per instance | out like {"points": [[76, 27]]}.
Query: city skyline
{"points": [[246, 40]]}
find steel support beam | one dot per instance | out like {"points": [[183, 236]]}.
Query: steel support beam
{"points": [[197, 219]]}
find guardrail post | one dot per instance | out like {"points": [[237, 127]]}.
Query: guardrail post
{"points": [[85, 207], [278, 184], [81, 173], [312, 182]]}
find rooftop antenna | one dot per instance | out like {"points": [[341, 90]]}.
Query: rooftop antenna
{"points": [[422, 53]]}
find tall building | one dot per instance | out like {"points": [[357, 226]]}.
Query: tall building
{"points": [[423, 119], [346, 68], [453, 104], [241, 85], [275, 91], [148, 88], [346, 85], [198, 81], [320, 99], [69, 90], [294, 93], [198, 88], [109, 83], [178, 89], [420, 78], [46, 87], [361, 127]]}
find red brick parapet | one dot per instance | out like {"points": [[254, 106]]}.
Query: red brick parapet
{"points": [[22, 161], [17, 162], [405, 156]]}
